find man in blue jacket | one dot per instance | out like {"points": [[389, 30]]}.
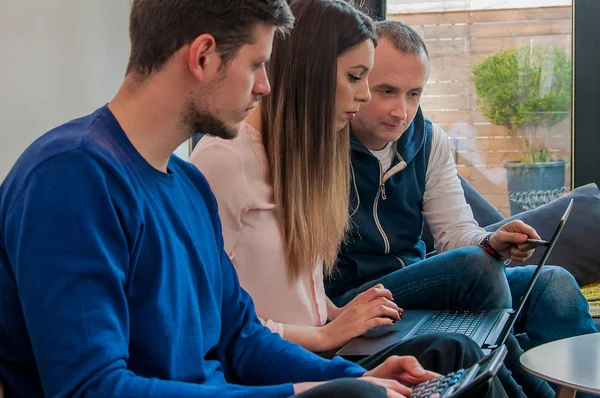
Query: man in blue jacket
{"points": [[113, 277], [403, 174]]}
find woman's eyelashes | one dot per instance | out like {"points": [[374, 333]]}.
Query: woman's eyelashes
{"points": [[353, 78]]}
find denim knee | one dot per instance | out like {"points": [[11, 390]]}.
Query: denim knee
{"points": [[487, 276], [560, 293]]}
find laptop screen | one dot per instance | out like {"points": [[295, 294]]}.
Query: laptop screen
{"points": [[514, 315]]}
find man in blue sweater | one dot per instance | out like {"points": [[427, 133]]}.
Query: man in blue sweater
{"points": [[403, 174], [113, 277]]}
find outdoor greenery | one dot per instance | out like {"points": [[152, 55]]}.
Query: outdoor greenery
{"points": [[524, 89]]}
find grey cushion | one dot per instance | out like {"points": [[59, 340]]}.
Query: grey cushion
{"points": [[578, 247]]}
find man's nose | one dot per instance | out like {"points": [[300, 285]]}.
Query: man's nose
{"points": [[400, 110], [261, 83]]}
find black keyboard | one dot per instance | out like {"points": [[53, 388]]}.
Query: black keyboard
{"points": [[458, 384], [439, 385], [463, 322]]}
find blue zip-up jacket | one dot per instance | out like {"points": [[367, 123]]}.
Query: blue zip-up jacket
{"points": [[385, 210]]}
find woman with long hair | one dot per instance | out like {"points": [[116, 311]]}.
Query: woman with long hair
{"points": [[282, 184], [282, 187]]}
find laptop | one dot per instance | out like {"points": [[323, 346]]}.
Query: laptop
{"points": [[488, 328]]}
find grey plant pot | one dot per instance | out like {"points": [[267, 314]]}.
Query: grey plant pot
{"points": [[531, 185]]}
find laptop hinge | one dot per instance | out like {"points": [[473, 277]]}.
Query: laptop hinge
{"points": [[491, 342]]}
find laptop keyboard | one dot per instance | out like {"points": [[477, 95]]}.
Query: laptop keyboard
{"points": [[463, 322]]}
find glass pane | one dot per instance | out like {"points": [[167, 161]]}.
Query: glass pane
{"points": [[500, 86]]}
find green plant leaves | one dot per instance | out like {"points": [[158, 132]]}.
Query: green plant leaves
{"points": [[523, 89]]}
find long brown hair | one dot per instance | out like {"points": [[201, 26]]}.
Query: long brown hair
{"points": [[309, 161]]}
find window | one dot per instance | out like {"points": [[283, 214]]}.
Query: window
{"points": [[500, 86]]}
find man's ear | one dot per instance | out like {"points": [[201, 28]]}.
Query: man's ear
{"points": [[203, 59]]}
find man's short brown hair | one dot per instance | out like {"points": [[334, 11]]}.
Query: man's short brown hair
{"points": [[158, 28], [403, 37]]}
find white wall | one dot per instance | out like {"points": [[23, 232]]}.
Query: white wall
{"points": [[59, 59]]}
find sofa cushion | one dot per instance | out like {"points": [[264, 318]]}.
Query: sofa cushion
{"points": [[577, 249]]}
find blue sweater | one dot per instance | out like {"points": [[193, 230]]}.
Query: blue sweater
{"points": [[114, 282]]}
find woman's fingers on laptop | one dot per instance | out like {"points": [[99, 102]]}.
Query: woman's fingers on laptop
{"points": [[365, 316], [379, 295], [374, 292], [367, 311], [368, 296], [355, 320], [383, 307]]}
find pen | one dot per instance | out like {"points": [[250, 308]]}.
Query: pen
{"points": [[538, 242]]}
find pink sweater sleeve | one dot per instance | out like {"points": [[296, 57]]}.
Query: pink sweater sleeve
{"points": [[224, 168]]}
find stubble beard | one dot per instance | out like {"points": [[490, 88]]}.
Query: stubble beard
{"points": [[198, 121]]}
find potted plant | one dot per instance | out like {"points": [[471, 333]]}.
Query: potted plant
{"points": [[528, 91]]}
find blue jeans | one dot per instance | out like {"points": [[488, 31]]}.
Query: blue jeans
{"points": [[555, 310], [468, 278], [465, 278]]}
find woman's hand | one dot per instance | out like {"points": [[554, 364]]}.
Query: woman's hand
{"points": [[367, 310]]}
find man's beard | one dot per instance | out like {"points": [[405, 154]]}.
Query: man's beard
{"points": [[196, 121]]}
